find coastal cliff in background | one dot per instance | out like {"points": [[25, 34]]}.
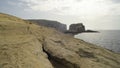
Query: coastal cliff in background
{"points": [[79, 27], [76, 28], [48, 23], [27, 45]]}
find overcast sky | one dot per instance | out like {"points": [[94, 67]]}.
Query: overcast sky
{"points": [[94, 14]]}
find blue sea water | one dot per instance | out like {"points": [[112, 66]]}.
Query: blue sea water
{"points": [[109, 39]]}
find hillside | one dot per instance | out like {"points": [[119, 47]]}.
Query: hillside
{"points": [[49, 23], [27, 45]]}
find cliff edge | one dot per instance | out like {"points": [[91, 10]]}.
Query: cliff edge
{"points": [[27, 45], [49, 23]]}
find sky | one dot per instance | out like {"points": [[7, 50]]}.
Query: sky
{"points": [[94, 14]]}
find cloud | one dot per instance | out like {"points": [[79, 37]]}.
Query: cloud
{"points": [[71, 5], [86, 8], [89, 9], [79, 0], [92, 12], [115, 1], [17, 3], [40, 5]]}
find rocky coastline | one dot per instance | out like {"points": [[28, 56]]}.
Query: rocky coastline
{"points": [[49, 23], [26, 45], [73, 28], [91, 31], [78, 28]]}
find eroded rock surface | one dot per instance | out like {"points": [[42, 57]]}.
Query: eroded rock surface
{"points": [[26, 45]]}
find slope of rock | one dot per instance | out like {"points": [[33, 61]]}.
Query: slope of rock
{"points": [[18, 47], [48, 23], [26, 45]]}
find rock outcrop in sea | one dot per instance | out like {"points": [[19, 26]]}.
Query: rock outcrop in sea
{"points": [[79, 27], [27, 45], [75, 29], [49, 23]]}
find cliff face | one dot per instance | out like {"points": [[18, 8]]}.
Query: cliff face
{"points": [[77, 27], [54, 24], [26, 45]]}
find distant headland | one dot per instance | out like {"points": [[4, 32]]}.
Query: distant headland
{"points": [[73, 28]]}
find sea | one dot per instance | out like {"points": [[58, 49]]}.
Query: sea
{"points": [[109, 39]]}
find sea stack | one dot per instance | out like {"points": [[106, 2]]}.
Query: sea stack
{"points": [[78, 28]]}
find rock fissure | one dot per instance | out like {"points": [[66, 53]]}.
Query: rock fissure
{"points": [[56, 61]]}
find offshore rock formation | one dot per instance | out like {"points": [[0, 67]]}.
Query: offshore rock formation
{"points": [[27, 45], [54, 24], [78, 28], [91, 31]]}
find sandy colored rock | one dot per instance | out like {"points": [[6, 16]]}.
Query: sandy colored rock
{"points": [[18, 47], [26, 45]]}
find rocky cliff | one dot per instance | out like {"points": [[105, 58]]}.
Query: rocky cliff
{"points": [[26, 45], [79, 27], [54, 24]]}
